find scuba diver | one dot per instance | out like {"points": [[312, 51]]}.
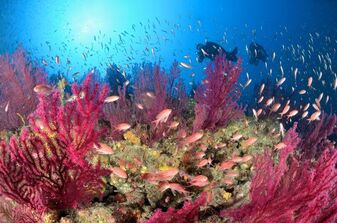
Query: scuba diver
{"points": [[256, 53], [115, 79], [211, 49]]}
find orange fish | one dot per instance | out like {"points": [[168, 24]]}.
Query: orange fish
{"points": [[236, 137], [174, 125], [185, 65], [305, 114], [112, 98], [245, 144], [204, 162], [122, 127], [279, 146], [292, 113], [232, 174], [7, 107], [302, 91], [150, 95], [275, 107], [309, 82], [314, 116], [246, 158], [103, 149], [161, 176], [119, 172], [281, 81], [226, 165], [162, 116], [139, 106], [285, 110], [193, 138], [228, 180], [173, 186], [237, 159], [199, 155], [43, 89], [199, 181]]}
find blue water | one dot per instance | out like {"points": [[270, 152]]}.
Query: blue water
{"points": [[92, 34]]}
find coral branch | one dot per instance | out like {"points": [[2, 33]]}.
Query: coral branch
{"points": [[188, 213], [216, 98], [298, 191], [45, 167], [17, 80]]}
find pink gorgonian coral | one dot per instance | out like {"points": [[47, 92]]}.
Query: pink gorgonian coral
{"points": [[18, 76], [45, 168], [217, 97], [292, 190]]}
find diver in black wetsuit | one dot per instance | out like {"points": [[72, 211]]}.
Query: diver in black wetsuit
{"points": [[211, 49], [256, 53]]}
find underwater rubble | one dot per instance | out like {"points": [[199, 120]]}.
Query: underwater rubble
{"points": [[157, 155]]}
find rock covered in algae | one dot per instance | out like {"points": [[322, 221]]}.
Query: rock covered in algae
{"points": [[99, 214], [227, 187]]}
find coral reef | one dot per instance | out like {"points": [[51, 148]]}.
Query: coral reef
{"points": [[144, 156]]}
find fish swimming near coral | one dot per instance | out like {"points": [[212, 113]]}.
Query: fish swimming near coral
{"points": [[211, 50], [257, 53]]}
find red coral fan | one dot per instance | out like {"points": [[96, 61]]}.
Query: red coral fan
{"points": [[216, 98], [45, 168], [118, 112], [151, 92], [293, 191], [156, 90], [17, 80], [11, 212], [315, 134], [188, 213]]}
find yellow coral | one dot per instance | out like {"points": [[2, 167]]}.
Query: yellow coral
{"points": [[164, 168], [143, 169], [154, 153], [61, 86], [132, 138], [226, 196]]}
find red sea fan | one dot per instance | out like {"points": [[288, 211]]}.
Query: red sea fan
{"points": [[17, 80], [152, 93], [118, 112], [217, 97], [45, 168], [188, 213], [315, 134], [293, 191]]}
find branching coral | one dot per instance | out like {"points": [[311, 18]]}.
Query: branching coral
{"points": [[118, 112], [17, 80], [46, 167], [217, 97], [298, 191], [156, 90], [188, 213], [315, 134]]}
